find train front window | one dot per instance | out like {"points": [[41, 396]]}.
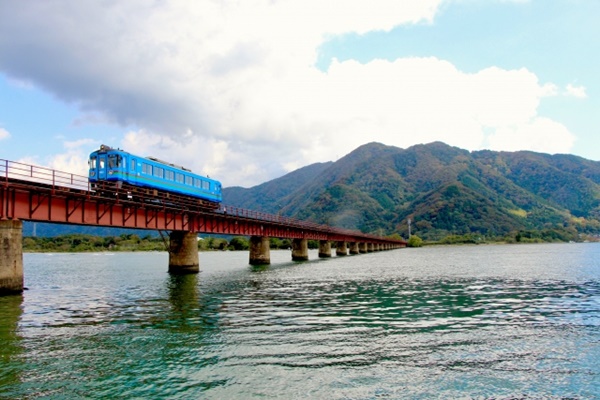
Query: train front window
{"points": [[93, 162], [115, 161]]}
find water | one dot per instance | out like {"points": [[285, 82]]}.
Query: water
{"points": [[508, 321]]}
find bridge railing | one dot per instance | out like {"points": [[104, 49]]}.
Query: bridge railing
{"points": [[276, 218], [288, 221], [45, 176]]}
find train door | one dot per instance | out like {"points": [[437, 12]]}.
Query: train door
{"points": [[101, 166], [133, 172]]}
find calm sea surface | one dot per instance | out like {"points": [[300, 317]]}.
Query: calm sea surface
{"points": [[509, 321]]}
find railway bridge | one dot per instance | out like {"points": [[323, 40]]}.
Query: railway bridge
{"points": [[32, 193]]}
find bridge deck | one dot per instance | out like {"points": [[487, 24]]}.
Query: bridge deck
{"points": [[40, 194]]}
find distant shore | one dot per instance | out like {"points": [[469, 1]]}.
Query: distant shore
{"points": [[79, 243]]}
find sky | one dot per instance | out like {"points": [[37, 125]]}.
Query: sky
{"points": [[247, 91]]}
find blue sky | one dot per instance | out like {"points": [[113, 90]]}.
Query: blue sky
{"points": [[247, 91]]}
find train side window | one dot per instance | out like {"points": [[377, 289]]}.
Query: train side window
{"points": [[170, 175], [205, 185], [147, 168], [158, 172], [179, 177], [197, 183], [189, 180], [133, 164]]}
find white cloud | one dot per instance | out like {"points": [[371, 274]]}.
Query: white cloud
{"points": [[4, 134], [74, 160], [230, 88], [540, 134], [576, 91], [71, 162], [79, 144], [231, 163]]}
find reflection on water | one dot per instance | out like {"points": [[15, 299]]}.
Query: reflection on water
{"points": [[475, 322], [10, 349]]}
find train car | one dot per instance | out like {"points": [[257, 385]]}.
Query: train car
{"points": [[117, 166]]}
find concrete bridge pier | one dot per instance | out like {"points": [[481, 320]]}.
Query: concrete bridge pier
{"points": [[183, 253], [354, 248], [362, 247], [341, 249], [324, 249], [370, 247], [11, 256], [260, 250], [299, 250]]}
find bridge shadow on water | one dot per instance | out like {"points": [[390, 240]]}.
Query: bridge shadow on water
{"points": [[11, 309], [286, 264]]}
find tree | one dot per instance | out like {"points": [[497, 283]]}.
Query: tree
{"points": [[415, 241], [395, 236], [239, 243]]}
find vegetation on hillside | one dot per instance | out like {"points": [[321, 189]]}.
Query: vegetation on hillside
{"points": [[445, 191]]}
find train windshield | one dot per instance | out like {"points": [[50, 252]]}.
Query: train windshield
{"points": [[114, 161], [92, 162]]}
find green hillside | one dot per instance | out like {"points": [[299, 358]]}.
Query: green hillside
{"points": [[444, 190]]}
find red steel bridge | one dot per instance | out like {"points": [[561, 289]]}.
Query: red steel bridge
{"points": [[32, 193]]}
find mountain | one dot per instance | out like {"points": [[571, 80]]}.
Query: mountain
{"points": [[268, 196], [442, 189]]}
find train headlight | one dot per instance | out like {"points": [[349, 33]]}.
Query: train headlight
{"points": [[92, 173], [111, 172]]}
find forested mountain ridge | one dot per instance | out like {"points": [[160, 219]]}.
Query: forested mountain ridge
{"points": [[444, 190]]}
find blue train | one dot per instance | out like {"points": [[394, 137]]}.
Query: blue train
{"points": [[119, 167]]}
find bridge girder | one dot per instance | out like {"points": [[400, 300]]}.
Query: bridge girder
{"points": [[68, 206]]}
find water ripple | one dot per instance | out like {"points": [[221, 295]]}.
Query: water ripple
{"points": [[428, 325]]}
